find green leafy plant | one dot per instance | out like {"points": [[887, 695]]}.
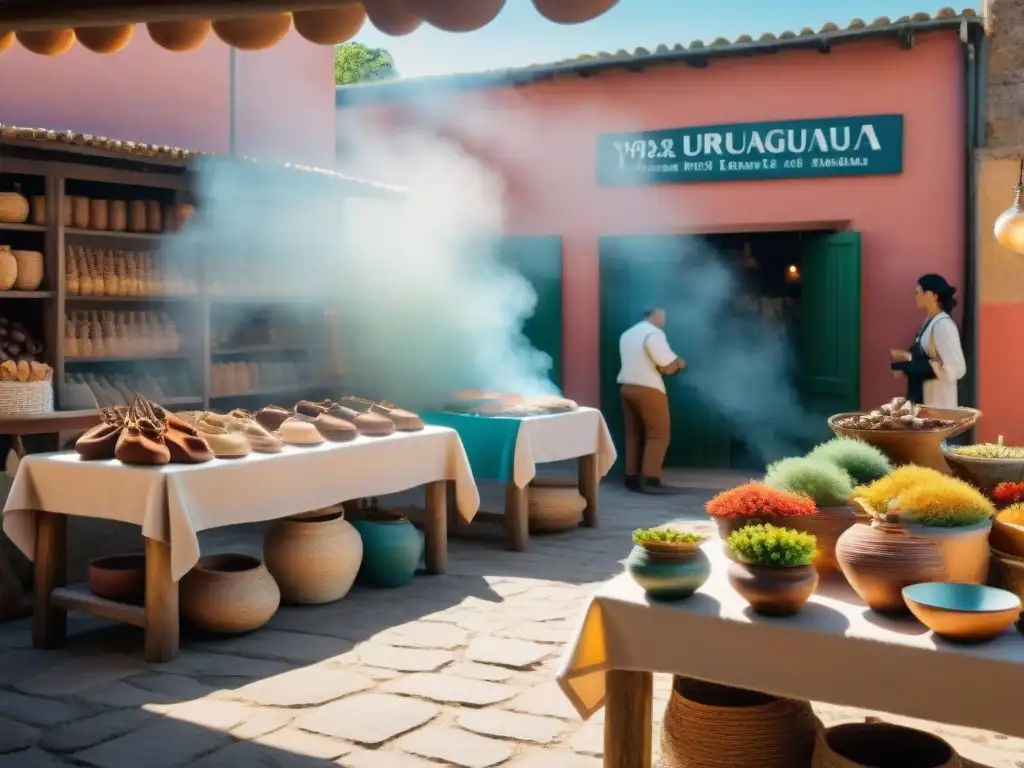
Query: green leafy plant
{"points": [[770, 545], [821, 481], [862, 462], [667, 536]]}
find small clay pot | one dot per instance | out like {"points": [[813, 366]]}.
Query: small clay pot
{"points": [[121, 577], [667, 573], [773, 591], [827, 525], [964, 549], [860, 745], [882, 558]]}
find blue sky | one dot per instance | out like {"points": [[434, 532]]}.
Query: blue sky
{"points": [[520, 36]]}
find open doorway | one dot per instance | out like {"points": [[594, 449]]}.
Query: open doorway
{"points": [[797, 290]]}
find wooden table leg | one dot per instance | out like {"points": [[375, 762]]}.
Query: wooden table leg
{"points": [[517, 520], [50, 624], [589, 485], [161, 604], [436, 526], [628, 726]]}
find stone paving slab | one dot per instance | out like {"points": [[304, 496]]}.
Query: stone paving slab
{"points": [[453, 671]]}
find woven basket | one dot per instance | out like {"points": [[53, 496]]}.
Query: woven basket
{"points": [[26, 398], [314, 559], [8, 268], [863, 745], [714, 726], [228, 593], [30, 270], [554, 504], [13, 208]]}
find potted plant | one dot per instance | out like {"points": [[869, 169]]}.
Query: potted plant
{"points": [[1007, 494], [669, 564], [862, 462], [829, 487], [753, 503], [954, 515], [772, 568], [1008, 531]]}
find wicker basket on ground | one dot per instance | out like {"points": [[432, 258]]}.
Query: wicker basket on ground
{"points": [[554, 504], [715, 726]]}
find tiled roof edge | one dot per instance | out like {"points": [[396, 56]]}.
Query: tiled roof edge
{"points": [[944, 19]]}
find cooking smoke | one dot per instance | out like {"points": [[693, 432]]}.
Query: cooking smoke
{"points": [[427, 304]]}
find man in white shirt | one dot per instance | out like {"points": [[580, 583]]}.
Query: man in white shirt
{"points": [[646, 359]]}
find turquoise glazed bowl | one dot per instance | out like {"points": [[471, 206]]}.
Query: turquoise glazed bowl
{"points": [[965, 612], [669, 573], [392, 551]]}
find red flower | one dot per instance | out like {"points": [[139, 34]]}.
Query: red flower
{"points": [[757, 500], [1008, 493]]}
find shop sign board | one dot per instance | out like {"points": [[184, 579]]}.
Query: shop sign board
{"points": [[788, 149]]}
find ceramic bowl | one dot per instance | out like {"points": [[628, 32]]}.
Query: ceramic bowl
{"points": [[121, 577], [965, 612]]}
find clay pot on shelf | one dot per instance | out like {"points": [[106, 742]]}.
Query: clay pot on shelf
{"points": [[881, 558], [30, 270], [99, 214], [314, 559], [8, 268], [668, 572], [716, 726], [154, 216], [964, 550], [392, 550], [14, 208], [118, 219], [67, 211], [771, 590], [865, 745], [137, 216], [80, 212], [39, 210], [121, 577], [828, 524], [229, 594]]}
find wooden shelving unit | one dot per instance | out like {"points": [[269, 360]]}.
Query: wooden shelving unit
{"points": [[224, 339]]}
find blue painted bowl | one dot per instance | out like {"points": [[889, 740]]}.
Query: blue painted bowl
{"points": [[668, 573], [964, 612]]}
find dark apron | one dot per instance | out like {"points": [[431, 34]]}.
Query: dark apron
{"points": [[919, 368]]}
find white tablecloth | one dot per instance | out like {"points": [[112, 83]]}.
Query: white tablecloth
{"points": [[835, 650], [562, 436], [173, 503]]}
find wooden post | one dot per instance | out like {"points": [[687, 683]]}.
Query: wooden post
{"points": [[436, 526], [50, 624], [589, 484], [517, 520], [628, 722], [161, 604]]}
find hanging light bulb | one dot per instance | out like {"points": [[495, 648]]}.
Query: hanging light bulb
{"points": [[1009, 227]]}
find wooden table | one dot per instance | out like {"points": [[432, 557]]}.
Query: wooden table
{"points": [[172, 504], [836, 650], [46, 423]]}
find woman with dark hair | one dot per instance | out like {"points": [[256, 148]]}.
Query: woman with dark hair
{"points": [[935, 361]]}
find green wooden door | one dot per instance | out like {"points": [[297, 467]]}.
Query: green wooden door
{"points": [[637, 273], [830, 325], [539, 260]]}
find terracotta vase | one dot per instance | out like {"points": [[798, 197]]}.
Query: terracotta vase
{"points": [[314, 560], [828, 524], [121, 578], [668, 573], [773, 591], [229, 594], [964, 550], [882, 558]]}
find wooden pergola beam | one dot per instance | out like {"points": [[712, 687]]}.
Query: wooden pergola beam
{"points": [[57, 14]]}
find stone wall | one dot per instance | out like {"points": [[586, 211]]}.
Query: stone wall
{"points": [[1005, 25]]}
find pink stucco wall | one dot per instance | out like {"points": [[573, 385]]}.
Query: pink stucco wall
{"points": [[542, 137], [284, 100]]}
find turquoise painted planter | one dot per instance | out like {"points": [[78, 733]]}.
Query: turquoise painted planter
{"points": [[669, 576], [392, 550]]}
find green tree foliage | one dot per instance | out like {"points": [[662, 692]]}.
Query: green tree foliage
{"points": [[358, 63]]}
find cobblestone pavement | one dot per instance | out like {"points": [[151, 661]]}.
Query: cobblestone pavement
{"points": [[454, 670]]}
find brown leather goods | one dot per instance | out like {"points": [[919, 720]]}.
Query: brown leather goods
{"points": [[142, 440], [334, 429], [272, 417], [181, 439], [98, 443], [307, 408], [300, 430], [369, 424], [404, 421]]}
